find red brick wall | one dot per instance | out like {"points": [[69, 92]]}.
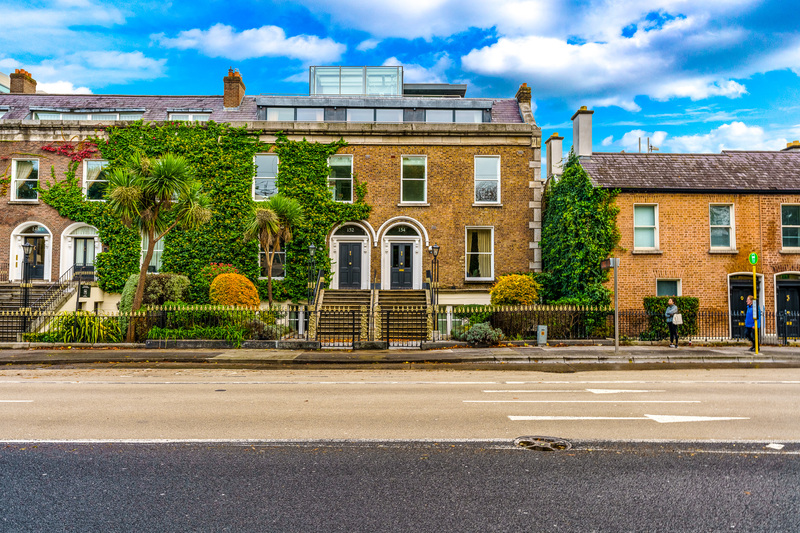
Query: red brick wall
{"points": [[12, 214], [684, 239]]}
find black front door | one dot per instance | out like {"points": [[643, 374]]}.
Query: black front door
{"points": [[350, 265], [36, 258], [740, 290], [402, 271], [789, 310]]}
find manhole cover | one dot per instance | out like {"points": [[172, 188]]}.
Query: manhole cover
{"points": [[543, 444]]}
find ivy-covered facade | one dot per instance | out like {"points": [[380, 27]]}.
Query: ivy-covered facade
{"points": [[377, 193]]}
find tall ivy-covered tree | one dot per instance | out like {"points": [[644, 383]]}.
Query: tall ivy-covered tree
{"points": [[155, 196], [271, 224], [579, 231]]}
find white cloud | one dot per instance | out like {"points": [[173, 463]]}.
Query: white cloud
{"points": [[369, 44], [602, 74], [698, 89], [61, 87], [733, 136], [221, 40], [608, 141], [413, 73], [74, 73]]}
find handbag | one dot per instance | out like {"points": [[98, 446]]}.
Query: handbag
{"points": [[677, 319]]}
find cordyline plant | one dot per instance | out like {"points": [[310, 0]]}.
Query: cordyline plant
{"points": [[156, 195], [271, 224]]}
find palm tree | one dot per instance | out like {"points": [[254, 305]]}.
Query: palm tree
{"points": [[271, 223], [156, 195]]}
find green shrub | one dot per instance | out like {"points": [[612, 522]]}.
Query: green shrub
{"points": [[232, 333], [85, 327], [483, 333], [688, 306], [233, 289], [515, 289]]}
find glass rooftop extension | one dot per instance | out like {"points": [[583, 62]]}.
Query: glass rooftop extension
{"points": [[356, 81]]}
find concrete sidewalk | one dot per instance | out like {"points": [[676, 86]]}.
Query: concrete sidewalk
{"points": [[517, 356]]}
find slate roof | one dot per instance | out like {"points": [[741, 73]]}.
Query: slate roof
{"points": [[155, 108], [506, 111], [729, 171]]}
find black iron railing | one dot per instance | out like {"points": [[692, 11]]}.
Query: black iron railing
{"points": [[345, 327]]}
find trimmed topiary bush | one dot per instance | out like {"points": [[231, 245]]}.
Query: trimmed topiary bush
{"points": [[233, 289], [515, 289], [201, 284]]}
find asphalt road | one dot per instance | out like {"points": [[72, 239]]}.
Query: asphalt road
{"points": [[353, 487], [167, 405]]}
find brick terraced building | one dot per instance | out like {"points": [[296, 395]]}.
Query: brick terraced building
{"points": [[688, 222], [461, 173]]}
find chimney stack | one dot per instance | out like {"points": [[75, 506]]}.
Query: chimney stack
{"points": [[234, 89], [22, 82], [793, 146], [555, 155], [582, 132], [524, 94], [523, 98]]}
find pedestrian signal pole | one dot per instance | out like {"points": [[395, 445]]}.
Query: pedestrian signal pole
{"points": [[753, 261], [613, 262]]}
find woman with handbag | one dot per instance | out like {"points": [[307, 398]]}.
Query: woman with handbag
{"points": [[674, 319]]}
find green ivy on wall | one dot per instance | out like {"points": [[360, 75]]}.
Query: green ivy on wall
{"points": [[579, 231], [303, 174], [223, 160], [66, 196]]}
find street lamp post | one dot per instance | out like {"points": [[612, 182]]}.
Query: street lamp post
{"points": [[435, 274], [312, 263], [27, 248]]}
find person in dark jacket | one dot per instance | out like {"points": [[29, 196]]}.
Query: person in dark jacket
{"points": [[750, 323], [671, 311]]}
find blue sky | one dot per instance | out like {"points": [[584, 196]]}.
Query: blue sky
{"points": [[693, 75]]}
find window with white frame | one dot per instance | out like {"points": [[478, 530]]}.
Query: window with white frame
{"points": [[189, 116], [89, 115], [479, 254], [95, 181], [155, 262], [668, 287], [487, 179], [341, 177], [722, 227], [414, 187], [278, 263], [790, 226], [645, 227], [25, 179], [265, 182]]}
